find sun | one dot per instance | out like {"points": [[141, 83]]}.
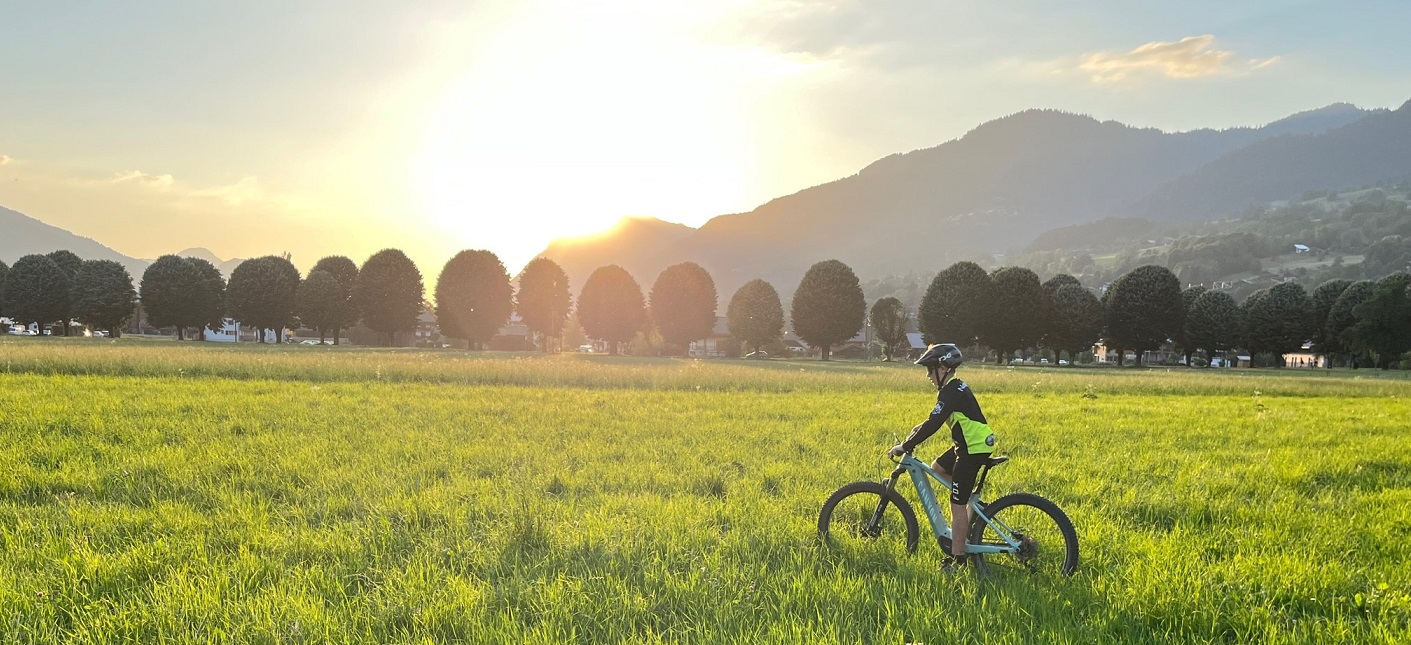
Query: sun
{"points": [[561, 130]]}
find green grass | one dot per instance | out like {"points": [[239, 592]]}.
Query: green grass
{"points": [[163, 492]]}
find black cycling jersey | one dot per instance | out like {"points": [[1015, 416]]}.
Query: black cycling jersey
{"points": [[956, 405]]}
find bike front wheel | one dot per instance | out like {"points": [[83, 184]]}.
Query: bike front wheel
{"points": [[1048, 544], [868, 516]]}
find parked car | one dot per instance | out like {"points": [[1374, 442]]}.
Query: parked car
{"points": [[308, 342], [1062, 361], [759, 354], [586, 349], [1043, 361]]}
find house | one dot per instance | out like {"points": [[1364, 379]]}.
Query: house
{"points": [[229, 332], [714, 345], [915, 344], [514, 336]]}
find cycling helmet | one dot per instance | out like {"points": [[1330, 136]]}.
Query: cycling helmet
{"points": [[941, 354]]}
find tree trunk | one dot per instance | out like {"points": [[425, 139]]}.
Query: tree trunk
{"points": [[612, 348], [1188, 357], [321, 335], [1121, 357], [825, 351], [337, 331], [181, 333]]}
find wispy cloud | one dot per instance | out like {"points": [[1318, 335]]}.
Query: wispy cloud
{"points": [[139, 178], [1190, 57]]}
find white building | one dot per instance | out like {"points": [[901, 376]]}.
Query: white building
{"points": [[229, 332]]}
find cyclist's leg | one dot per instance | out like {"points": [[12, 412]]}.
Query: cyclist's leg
{"points": [[967, 468], [945, 465]]}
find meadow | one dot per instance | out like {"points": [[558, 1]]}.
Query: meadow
{"points": [[163, 492]]}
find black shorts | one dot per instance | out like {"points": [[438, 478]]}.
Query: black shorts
{"points": [[963, 468]]}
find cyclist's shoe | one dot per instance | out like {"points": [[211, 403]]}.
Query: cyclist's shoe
{"points": [[955, 564]]}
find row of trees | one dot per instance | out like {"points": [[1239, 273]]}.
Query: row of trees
{"points": [[61, 287], [1007, 310]]}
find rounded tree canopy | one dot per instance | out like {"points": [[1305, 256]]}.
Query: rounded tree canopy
{"points": [[36, 291], [168, 289], [474, 298], [956, 306], [263, 292], [611, 307], [544, 301], [1144, 308], [828, 306], [755, 314], [683, 303], [104, 297], [389, 292]]}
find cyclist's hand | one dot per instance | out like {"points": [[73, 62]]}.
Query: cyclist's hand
{"points": [[896, 451]]}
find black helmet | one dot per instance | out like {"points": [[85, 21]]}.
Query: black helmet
{"points": [[941, 354]]}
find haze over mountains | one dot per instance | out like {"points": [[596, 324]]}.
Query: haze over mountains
{"points": [[1002, 185], [995, 189]]}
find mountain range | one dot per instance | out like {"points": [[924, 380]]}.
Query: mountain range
{"points": [[21, 235], [1002, 185], [996, 189]]}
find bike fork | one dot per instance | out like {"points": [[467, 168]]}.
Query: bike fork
{"points": [[876, 520]]}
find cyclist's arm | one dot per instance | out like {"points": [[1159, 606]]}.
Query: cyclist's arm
{"points": [[925, 429]]}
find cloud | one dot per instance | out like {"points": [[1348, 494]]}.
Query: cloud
{"points": [[1190, 57], [5, 160], [138, 178]]}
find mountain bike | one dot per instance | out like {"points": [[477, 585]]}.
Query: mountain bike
{"points": [[1020, 529]]}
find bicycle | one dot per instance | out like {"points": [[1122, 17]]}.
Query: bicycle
{"points": [[1031, 530]]}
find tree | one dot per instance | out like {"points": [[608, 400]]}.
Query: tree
{"points": [[888, 319], [544, 301], [1341, 320], [263, 293], [1018, 303], [103, 296], [755, 315], [170, 293], [389, 293], [474, 298], [1384, 319], [1323, 298], [683, 305], [4, 269], [1182, 338], [1277, 320], [346, 272], [69, 263], [1144, 310], [828, 306], [956, 306], [611, 308], [36, 291], [1074, 320], [1213, 322], [208, 299], [319, 301]]}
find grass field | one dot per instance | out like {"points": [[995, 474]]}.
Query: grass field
{"points": [[164, 492]]}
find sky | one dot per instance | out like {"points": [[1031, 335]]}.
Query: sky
{"points": [[344, 127]]}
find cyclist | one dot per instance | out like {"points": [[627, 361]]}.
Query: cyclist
{"points": [[973, 441]]}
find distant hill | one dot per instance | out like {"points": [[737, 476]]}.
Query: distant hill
{"points": [[1373, 149], [996, 188], [21, 235]]}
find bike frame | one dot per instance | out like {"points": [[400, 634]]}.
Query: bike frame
{"points": [[921, 474]]}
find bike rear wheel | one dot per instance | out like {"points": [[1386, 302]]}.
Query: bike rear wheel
{"points": [[850, 520], [1048, 542]]}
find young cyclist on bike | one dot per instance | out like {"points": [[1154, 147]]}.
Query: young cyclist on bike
{"points": [[973, 441]]}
